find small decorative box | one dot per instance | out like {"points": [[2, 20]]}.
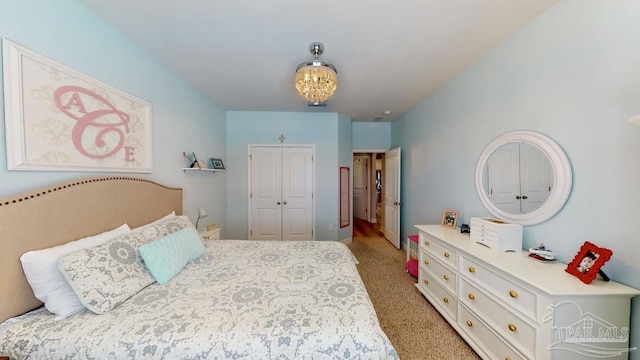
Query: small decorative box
{"points": [[496, 234]]}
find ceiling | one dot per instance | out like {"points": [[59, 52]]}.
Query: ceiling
{"points": [[390, 54]]}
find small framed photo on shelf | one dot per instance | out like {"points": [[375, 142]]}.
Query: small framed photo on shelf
{"points": [[588, 261], [449, 219], [216, 164]]}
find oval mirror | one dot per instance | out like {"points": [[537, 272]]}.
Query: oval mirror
{"points": [[523, 177]]}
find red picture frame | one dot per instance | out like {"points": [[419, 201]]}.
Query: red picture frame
{"points": [[588, 261]]}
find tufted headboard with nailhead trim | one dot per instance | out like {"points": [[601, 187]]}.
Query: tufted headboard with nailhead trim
{"points": [[64, 212]]}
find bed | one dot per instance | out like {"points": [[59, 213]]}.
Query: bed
{"points": [[239, 299]]}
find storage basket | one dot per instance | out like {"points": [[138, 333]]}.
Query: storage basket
{"points": [[412, 255]]}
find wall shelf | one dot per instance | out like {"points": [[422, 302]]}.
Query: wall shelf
{"points": [[197, 169]]}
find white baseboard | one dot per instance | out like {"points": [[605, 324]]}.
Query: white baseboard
{"points": [[347, 241]]}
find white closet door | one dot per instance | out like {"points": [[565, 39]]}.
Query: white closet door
{"points": [[281, 193], [503, 170], [266, 194], [297, 194], [536, 178]]}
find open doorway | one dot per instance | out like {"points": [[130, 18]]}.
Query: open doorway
{"points": [[368, 189]]}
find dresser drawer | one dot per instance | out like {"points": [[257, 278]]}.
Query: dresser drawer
{"points": [[444, 275], [514, 329], [490, 342], [496, 234], [503, 288], [440, 295], [489, 241], [439, 251], [482, 229]]}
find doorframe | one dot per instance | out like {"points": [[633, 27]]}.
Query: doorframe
{"points": [[368, 180], [313, 176], [372, 170]]}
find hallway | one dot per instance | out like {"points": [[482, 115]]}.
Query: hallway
{"points": [[363, 229]]}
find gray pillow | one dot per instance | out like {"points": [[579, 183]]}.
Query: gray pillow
{"points": [[107, 275]]}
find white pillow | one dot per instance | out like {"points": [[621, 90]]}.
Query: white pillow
{"points": [[142, 227], [49, 286]]}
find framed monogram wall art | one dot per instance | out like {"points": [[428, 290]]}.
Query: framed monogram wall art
{"points": [[58, 119]]}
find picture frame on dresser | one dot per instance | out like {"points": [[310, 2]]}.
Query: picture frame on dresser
{"points": [[449, 219], [588, 262]]}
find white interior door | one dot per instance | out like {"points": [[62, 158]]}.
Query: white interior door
{"points": [[281, 193], [536, 178], [360, 180], [392, 196], [297, 194], [503, 171], [265, 222]]}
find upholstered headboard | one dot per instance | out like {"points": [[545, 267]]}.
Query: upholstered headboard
{"points": [[60, 213]]}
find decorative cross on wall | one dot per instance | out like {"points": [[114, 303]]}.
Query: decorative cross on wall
{"points": [[281, 138]]}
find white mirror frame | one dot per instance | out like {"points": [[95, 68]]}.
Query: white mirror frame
{"points": [[562, 178]]}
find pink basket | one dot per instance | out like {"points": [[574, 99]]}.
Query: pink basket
{"points": [[412, 267]]}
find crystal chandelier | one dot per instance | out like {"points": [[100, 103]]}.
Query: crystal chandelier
{"points": [[316, 80]]}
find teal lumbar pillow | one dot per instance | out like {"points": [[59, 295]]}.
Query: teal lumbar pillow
{"points": [[166, 256]]}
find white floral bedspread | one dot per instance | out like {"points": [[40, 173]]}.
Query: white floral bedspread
{"points": [[241, 300]]}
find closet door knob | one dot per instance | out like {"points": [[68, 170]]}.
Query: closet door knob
{"points": [[278, 203], [284, 202]]}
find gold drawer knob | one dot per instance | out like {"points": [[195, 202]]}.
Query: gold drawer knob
{"points": [[513, 294], [513, 328], [469, 323], [426, 243], [426, 282], [446, 254], [471, 296], [426, 262], [446, 277], [472, 269], [508, 358], [446, 300]]}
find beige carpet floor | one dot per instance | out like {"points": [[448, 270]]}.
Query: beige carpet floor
{"points": [[415, 328]]}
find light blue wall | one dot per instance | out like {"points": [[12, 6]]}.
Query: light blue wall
{"points": [[572, 74], [371, 136], [183, 119], [255, 127]]}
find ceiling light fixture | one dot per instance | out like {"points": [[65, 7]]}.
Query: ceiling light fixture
{"points": [[316, 80]]}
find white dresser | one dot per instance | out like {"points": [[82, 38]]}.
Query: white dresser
{"points": [[509, 306]]}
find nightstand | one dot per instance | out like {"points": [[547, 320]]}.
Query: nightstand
{"points": [[210, 234]]}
